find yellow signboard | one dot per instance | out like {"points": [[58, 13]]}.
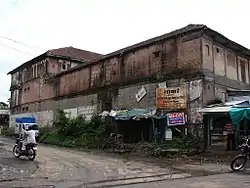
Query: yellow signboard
{"points": [[171, 98]]}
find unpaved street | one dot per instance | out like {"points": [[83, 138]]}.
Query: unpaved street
{"points": [[60, 167], [65, 168]]}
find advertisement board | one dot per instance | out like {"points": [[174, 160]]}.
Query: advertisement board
{"points": [[171, 98], [177, 118]]}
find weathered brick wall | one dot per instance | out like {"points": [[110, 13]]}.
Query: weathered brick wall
{"points": [[181, 55], [75, 82], [53, 65], [207, 54], [189, 54], [143, 62], [208, 92], [77, 101], [112, 70], [221, 65], [214, 91], [164, 57], [30, 91], [46, 90]]}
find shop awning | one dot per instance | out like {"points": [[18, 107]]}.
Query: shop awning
{"points": [[238, 114], [225, 107], [133, 114]]}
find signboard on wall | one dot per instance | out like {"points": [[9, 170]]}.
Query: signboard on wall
{"points": [[177, 118], [141, 93], [87, 111], [71, 112], [171, 98]]}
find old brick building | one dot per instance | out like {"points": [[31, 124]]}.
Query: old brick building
{"points": [[205, 61], [29, 82]]}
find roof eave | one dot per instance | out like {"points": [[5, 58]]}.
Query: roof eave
{"points": [[132, 47], [227, 42], [66, 57], [27, 63]]}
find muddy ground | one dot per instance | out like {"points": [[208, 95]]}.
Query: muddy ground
{"points": [[61, 167]]}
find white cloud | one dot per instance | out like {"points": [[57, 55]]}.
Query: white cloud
{"points": [[105, 26]]}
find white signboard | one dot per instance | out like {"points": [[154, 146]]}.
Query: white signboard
{"points": [[168, 134], [71, 112], [87, 111], [141, 93]]}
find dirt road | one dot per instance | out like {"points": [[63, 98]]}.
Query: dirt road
{"points": [[66, 168]]}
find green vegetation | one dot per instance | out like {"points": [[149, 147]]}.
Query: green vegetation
{"points": [[6, 131], [178, 146], [75, 132]]}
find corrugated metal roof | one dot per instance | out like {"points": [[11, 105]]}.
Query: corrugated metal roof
{"points": [[225, 107], [133, 114], [232, 103], [222, 109], [238, 98]]}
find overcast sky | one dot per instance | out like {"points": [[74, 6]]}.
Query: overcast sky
{"points": [[105, 25]]}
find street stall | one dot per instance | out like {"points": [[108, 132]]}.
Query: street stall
{"points": [[241, 120], [146, 124], [134, 124], [220, 130], [162, 122]]}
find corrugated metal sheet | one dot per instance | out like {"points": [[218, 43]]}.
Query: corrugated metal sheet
{"points": [[215, 109], [134, 114], [235, 102], [226, 107], [238, 98]]}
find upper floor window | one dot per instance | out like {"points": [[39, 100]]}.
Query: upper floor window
{"points": [[65, 65], [25, 109], [218, 53], [217, 50], [207, 50], [33, 71], [156, 54], [243, 70]]}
